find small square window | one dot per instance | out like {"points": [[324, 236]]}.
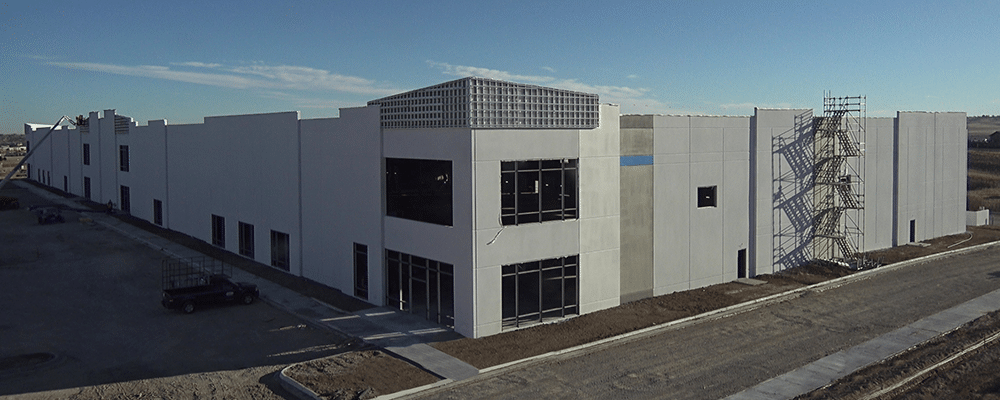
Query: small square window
{"points": [[706, 196]]}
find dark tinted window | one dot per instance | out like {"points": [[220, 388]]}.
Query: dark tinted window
{"points": [[419, 190]]}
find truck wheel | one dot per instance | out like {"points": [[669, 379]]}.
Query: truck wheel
{"points": [[247, 299], [188, 307]]}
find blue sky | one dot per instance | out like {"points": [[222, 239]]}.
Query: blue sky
{"points": [[182, 61]]}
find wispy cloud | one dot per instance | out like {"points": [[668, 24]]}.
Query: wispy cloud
{"points": [[569, 84], [633, 76], [632, 99], [550, 69], [304, 78], [750, 106], [259, 76], [196, 64], [463, 71]]}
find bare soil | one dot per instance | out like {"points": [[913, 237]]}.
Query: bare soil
{"points": [[8, 163], [359, 375]]}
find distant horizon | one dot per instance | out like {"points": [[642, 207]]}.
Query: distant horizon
{"points": [[183, 61]]}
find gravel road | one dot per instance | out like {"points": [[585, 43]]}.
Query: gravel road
{"points": [[721, 357]]}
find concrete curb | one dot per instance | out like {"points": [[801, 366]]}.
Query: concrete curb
{"points": [[294, 387], [415, 390]]}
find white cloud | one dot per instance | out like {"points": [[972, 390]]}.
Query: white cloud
{"points": [[636, 100], [750, 106], [464, 71], [283, 77], [304, 78], [550, 69], [230, 81], [196, 64], [633, 76]]}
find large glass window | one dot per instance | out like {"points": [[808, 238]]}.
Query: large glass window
{"points": [[537, 191], [539, 291], [421, 286], [279, 250], [419, 190]]}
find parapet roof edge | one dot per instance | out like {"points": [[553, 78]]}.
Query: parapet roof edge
{"points": [[471, 77], [689, 115]]}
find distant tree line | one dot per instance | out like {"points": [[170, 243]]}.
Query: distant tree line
{"points": [[16, 139]]}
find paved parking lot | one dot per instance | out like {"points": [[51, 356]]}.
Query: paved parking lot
{"points": [[91, 297]]}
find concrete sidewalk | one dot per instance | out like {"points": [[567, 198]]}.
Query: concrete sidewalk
{"points": [[840, 364], [401, 333]]}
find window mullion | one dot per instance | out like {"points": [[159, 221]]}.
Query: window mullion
{"points": [[562, 288], [541, 289], [517, 195], [517, 296], [562, 190], [541, 210]]}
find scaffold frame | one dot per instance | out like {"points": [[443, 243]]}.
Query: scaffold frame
{"points": [[839, 181]]}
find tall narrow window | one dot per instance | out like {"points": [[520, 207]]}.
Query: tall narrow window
{"points": [[537, 191], [65, 183], [158, 212], [86, 187], [246, 239], [218, 231], [421, 286], [361, 271], [126, 200], [86, 154], [123, 158], [741, 263], [279, 250]]}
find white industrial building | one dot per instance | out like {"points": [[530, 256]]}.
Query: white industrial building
{"points": [[489, 205]]}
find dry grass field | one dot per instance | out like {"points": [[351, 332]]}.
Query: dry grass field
{"points": [[984, 167], [984, 180], [982, 126]]}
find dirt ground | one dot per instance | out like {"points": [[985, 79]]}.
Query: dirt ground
{"points": [[359, 375], [8, 164], [974, 376]]}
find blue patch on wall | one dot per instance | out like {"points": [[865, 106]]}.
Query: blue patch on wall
{"points": [[627, 161]]}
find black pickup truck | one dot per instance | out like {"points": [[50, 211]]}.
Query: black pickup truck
{"points": [[212, 290]]}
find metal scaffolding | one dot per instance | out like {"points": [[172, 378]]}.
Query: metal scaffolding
{"points": [[839, 181]]}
